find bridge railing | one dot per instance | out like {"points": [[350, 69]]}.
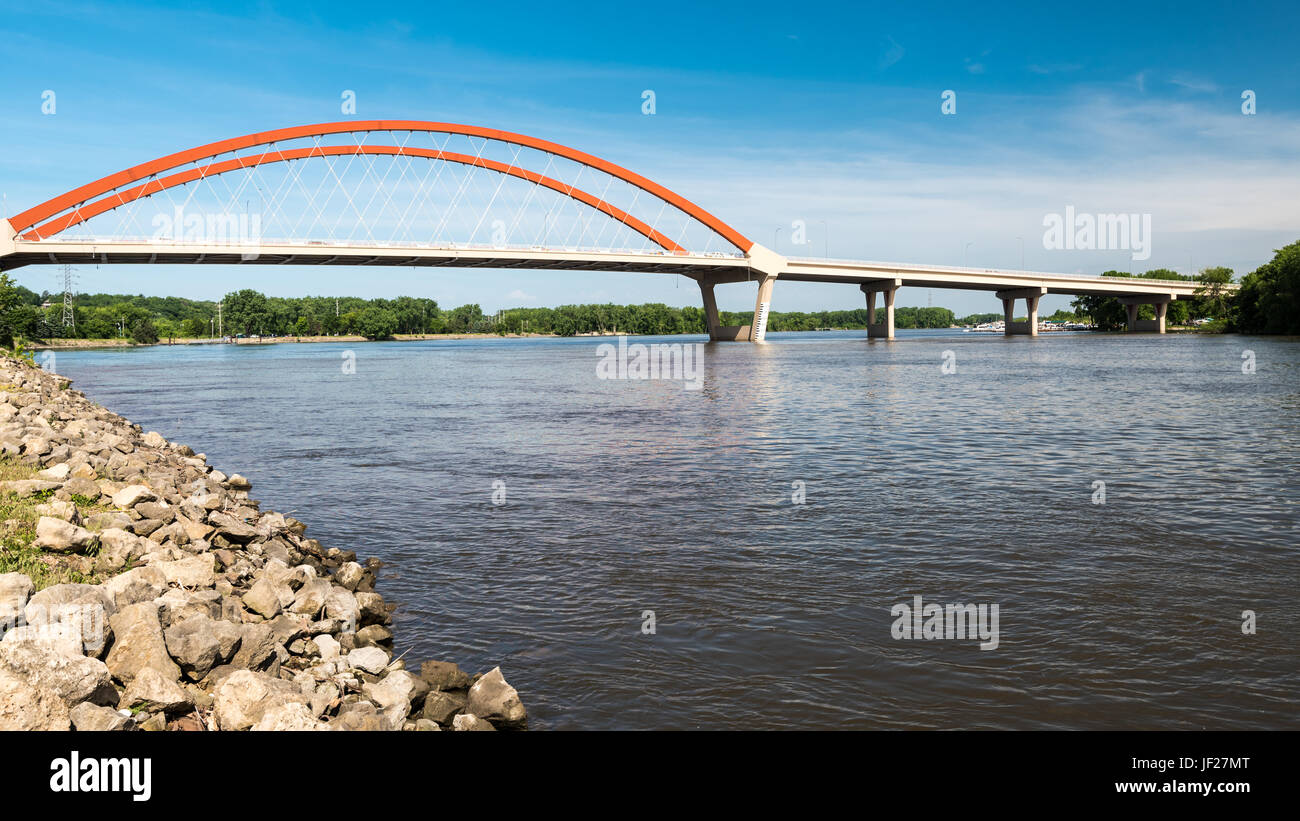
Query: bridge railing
{"points": [[433, 246], [913, 267]]}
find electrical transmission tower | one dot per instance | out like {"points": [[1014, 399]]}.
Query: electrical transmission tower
{"points": [[69, 317]]}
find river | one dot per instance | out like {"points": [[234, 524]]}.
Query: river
{"points": [[643, 554]]}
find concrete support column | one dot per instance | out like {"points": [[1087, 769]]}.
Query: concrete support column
{"points": [[1132, 311], [1031, 303], [1031, 296], [761, 306], [1160, 302], [717, 331], [889, 287], [711, 321]]}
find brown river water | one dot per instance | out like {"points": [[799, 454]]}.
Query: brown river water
{"points": [[729, 554]]}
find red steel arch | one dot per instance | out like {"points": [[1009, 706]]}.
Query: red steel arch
{"points": [[23, 222], [127, 195]]}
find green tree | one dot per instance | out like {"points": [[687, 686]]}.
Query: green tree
{"points": [[376, 323], [1268, 301], [1104, 311], [246, 312], [144, 332], [15, 317], [1212, 298]]}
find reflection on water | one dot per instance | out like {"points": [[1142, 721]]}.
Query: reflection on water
{"points": [[625, 496]]}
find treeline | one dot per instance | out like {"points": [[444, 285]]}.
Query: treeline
{"points": [[657, 319], [1108, 314], [1268, 301], [249, 312]]}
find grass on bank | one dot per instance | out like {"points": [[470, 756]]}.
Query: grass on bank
{"points": [[18, 518]]}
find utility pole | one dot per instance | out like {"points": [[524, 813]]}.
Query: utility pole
{"points": [[221, 329]]}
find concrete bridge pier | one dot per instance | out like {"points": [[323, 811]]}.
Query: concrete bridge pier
{"points": [[1031, 297], [753, 332], [888, 287], [764, 267], [717, 331], [1158, 301], [761, 306]]}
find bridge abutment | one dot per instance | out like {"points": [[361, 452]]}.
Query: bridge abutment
{"points": [[1160, 302], [883, 329], [1031, 296]]}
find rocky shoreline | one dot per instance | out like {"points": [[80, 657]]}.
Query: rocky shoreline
{"points": [[140, 588]]}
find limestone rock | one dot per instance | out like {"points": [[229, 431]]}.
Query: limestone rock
{"points": [[151, 692], [194, 572], [444, 675], [132, 495], [244, 697], [311, 598], [370, 659], [350, 575], [58, 473], [141, 584], [200, 643], [392, 694], [81, 485], [62, 536], [71, 680], [59, 509], [263, 598], [467, 722], [57, 638], [139, 643], [258, 645], [27, 487], [232, 528], [440, 706], [26, 707], [87, 717], [492, 698], [290, 716], [15, 590], [361, 715]]}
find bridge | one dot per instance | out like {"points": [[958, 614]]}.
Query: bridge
{"points": [[428, 194]]}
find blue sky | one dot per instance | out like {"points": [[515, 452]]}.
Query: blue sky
{"points": [[765, 114]]}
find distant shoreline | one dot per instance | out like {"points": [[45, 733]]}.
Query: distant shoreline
{"points": [[104, 344], [88, 344]]}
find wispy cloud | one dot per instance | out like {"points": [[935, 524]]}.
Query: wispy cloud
{"points": [[1193, 84], [1053, 68], [892, 54]]}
